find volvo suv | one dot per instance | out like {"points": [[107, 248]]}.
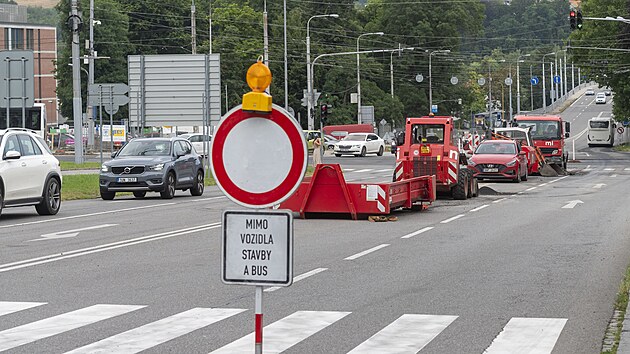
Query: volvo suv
{"points": [[153, 165], [29, 173]]}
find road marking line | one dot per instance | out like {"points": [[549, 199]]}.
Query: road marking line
{"points": [[158, 332], [452, 219], [530, 189], [101, 248], [408, 334], [364, 170], [348, 169], [479, 208], [613, 176], [627, 169], [542, 184], [385, 170], [69, 233], [609, 169], [287, 332], [7, 307], [528, 335], [28, 333], [499, 200], [206, 199], [599, 185], [87, 215], [416, 233], [361, 254], [298, 278], [557, 179]]}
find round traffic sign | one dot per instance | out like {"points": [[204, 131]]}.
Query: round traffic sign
{"points": [[534, 80], [508, 81], [454, 80], [258, 160], [481, 81], [419, 78], [620, 130]]}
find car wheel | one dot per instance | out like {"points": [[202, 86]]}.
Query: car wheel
{"points": [[51, 202], [169, 187], [139, 194], [363, 151], [380, 151], [338, 155], [197, 188], [108, 195], [1, 199]]}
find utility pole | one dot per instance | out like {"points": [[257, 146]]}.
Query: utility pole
{"points": [[265, 36], [210, 27], [193, 28], [531, 88], [286, 70], [77, 107], [565, 72], [489, 90], [91, 56], [572, 76]]}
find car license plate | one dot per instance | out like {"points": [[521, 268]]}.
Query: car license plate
{"points": [[490, 170], [127, 179]]}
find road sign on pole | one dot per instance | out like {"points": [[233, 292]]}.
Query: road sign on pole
{"points": [[534, 80], [257, 248], [434, 108], [556, 79], [258, 160]]}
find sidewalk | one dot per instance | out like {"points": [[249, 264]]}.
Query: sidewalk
{"points": [[624, 339]]}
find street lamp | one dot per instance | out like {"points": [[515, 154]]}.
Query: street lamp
{"points": [[490, 86], [518, 82], [391, 66], [543, 83], [359, 73], [309, 82], [430, 88]]}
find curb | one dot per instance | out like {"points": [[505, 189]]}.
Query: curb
{"points": [[624, 339]]}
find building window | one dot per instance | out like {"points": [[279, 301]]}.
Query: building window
{"points": [[17, 38], [7, 38], [30, 41]]}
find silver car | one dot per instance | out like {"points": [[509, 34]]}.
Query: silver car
{"points": [[153, 165]]}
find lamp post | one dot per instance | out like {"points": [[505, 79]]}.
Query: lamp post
{"points": [[430, 88], [309, 81], [531, 87], [544, 93], [518, 82], [391, 66], [359, 74]]}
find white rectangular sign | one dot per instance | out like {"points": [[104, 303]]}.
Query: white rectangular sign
{"points": [[257, 248], [120, 133]]}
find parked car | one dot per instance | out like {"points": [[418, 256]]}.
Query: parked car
{"points": [[590, 92], [153, 165], [360, 144], [607, 93], [330, 142], [600, 98], [29, 173], [499, 159], [197, 141]]}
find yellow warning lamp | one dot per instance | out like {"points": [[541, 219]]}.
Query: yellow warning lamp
{"points": [[258, 79]]}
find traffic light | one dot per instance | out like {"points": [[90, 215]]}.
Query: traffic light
{"points": [[572, 19], [324, 114], [579, 20]]}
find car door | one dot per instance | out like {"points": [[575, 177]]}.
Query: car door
{"points": [[14, 173], [180, 163], [374, 145], [36, 164], [191, 160]]}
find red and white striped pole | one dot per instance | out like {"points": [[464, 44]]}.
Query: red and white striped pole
{"points": [[259, 320]]}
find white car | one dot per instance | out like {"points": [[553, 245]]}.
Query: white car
{"points": [[197, 141], [600, 98], [29, 173], [360, 144]]}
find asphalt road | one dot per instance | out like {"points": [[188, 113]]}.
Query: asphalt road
{"points": [[536, 263]]}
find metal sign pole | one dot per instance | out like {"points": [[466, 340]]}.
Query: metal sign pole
{"points": [[100, 115], [259, 320], [111, 118]]}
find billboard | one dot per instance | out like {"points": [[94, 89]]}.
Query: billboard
{"points": [[174, 89]]}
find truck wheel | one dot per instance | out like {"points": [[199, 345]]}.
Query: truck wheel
{"points": [[460, 190], [380, 151]]}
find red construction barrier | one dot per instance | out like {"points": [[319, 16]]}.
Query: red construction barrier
{"points": [[327, 192]]}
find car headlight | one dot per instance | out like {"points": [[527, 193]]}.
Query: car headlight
{"points": [[104, 168], [356, 146], [157, 167], [511, 163], [555, 152]]}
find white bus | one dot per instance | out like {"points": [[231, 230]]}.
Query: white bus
{"points": [[601, 131], [35, 119]]}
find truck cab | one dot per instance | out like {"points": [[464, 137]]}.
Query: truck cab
{"points": [[549, 133]]}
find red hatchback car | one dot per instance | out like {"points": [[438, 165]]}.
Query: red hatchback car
{"points": [[499, 159]]}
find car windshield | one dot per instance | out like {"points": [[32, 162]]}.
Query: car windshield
{"points": [[496, 148], [542, 129], [146, 148], [598, 124], [352, 137]]}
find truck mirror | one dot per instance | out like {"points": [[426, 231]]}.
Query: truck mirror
{"points": [[566, 135], [568, 127]]}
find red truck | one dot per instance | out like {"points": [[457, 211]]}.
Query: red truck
{"points": [[549, 133]]}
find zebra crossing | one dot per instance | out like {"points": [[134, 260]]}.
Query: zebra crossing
{"points": [[408, 333]]}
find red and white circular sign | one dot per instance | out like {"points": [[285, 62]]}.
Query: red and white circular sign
{"points": [[258, 160]]}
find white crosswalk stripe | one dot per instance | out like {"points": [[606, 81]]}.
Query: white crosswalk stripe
{"points": [[364, 170], [7, 307], [51, 326], [285, 333], [408, 334], [527, 335], [152, 334]]}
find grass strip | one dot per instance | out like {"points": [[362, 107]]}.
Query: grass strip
{"points": [[68, 165], [622, 148], [620, 305]]}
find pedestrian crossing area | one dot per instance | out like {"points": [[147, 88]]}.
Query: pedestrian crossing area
{"points": [[409, 333]]}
